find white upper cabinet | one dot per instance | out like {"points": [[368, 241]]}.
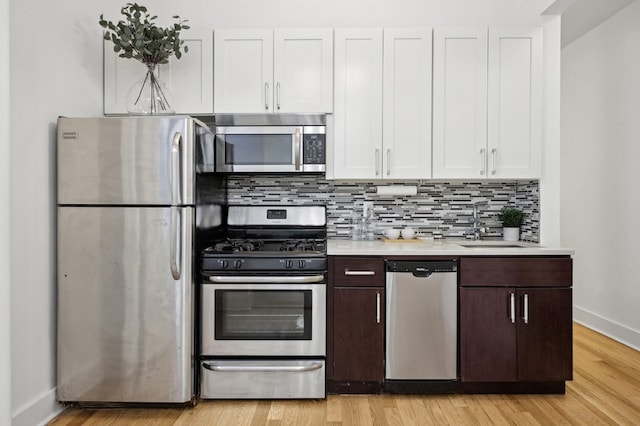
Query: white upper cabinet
{"points": [[514, 144], [243, 71], [189, 79], [303, 70], [487, 103], [459, 103], [382, 124], [406, 116], [273, 71], [357, 140]]}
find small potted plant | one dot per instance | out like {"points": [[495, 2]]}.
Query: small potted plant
{"points": [[512, 219], [138, 37]]}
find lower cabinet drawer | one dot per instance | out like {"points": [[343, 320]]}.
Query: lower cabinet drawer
{"points": [[262, 379]]}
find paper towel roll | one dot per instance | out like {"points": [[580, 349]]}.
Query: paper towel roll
{"points": [[397, 190]]}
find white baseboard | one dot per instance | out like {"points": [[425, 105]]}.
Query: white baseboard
{"points": [[621, 333], [39, 411]]}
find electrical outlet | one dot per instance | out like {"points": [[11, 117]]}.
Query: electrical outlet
{"points": [[367, 208]]}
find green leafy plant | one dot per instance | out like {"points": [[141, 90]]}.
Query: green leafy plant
{"points": [[511, 217], [138, 37]]}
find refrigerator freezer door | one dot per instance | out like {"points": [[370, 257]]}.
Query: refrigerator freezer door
{"points": [[125, 324], [126, 160]]}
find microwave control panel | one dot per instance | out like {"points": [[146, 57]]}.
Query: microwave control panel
{"points": [[313, 148]]}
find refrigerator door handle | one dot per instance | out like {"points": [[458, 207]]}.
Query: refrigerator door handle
{"points": [[176, 169], [175, 251]]}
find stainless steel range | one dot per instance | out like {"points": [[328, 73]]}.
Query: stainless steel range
{"points": [[264, 305]]}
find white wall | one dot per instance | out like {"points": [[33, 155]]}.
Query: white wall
{"points": [[600, 174], [56, 69], [5, 293]]}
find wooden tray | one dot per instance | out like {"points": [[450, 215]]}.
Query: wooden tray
{"points": [[400, 240]]}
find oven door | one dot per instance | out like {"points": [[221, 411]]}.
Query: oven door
{"points": [[259, 149], [263, 319]]}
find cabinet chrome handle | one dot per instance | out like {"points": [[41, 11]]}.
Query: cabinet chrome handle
{"points": [[494, 155], [278, 95], [377, 162], [358, 273], [512, 307], [266, 96], [525, 310], [483, 161], [298, 146], [388, 162], [378, 307]]}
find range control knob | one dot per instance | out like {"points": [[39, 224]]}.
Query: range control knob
{"points": [[302, 264], [237, 264], [224, 264], [288, 264]]}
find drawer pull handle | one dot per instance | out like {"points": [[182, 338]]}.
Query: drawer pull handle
{"points": [[359, 273]]}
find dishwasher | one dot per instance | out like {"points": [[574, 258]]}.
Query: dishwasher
{"points": [[421, 320]]}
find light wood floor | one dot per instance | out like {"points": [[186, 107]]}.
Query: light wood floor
{"points": [[605, 390]]}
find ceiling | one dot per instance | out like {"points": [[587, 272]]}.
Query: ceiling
{"points": [[581, 16]]}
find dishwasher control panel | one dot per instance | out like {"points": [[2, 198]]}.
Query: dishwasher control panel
{"points": [[430, 266]]}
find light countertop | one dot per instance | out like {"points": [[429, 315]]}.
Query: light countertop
{"points": [[440, 247]]}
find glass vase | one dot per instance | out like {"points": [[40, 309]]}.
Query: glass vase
{"points": [[149, 95]]}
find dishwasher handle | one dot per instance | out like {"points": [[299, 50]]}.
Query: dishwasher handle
{"points": [[422, 273]]}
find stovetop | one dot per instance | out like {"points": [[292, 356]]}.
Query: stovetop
{"points": [[257, 247], [270, 238], [260, 255]]}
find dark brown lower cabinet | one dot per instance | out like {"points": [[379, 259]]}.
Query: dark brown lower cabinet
{"points": [[355, 325], [358, 334], [515, 334]]}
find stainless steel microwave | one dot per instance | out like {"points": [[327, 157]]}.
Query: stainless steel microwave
{"points": [[270, 143]]}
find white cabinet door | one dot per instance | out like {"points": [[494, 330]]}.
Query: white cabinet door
{"points": [[357, 142], [514, 108], [303, 70], [407, 103], [460, 103], [243, 71], [487, 103], [188, 78], [119, 76], [267, 71]]}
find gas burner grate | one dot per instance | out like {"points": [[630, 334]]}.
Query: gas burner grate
{"points": [[299, 245], [237, 245]]}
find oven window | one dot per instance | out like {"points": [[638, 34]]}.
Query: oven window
{"points": [[258, 149], [263, 314]]}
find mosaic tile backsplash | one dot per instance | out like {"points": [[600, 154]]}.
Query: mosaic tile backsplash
{"points": [[438, 210]]}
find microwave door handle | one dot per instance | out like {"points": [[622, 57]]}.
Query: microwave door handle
{"points": [[298, 146]]}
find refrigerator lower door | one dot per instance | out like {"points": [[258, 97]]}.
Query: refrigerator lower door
{"points": [[125, 304]]}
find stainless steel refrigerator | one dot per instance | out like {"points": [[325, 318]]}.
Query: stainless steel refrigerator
{"points": [[126, 214]]}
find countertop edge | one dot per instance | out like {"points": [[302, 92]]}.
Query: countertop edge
{"points": [[345, 247]]}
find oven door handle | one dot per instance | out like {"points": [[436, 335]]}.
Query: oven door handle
{"points": [[244, 279], [263, 368]]}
